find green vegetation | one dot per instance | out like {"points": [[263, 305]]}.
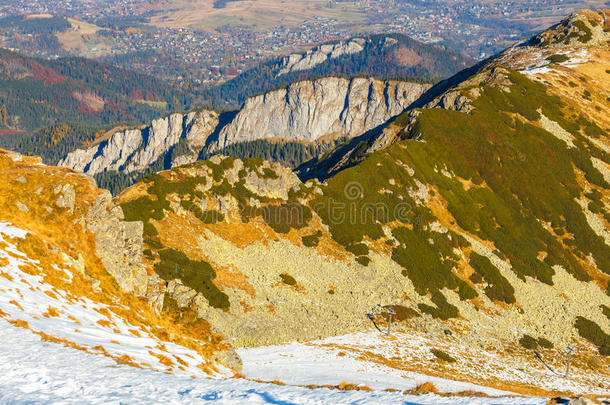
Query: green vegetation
{"points": [[358, 249], [377, 59], [558, 58], [197, 275], [498, 286], [291, 154], [269, 173], [515, 191], [441, 355], [55, 106], [428, 270], [311, 240], [443, 310], [593, 333], [606, 311], [528, 342], [544, 343], [285, 216], [288, 279], [52, 143], [363, 260]]}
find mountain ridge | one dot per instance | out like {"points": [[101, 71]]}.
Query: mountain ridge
{"points": [[320, 110], [473, 229]]}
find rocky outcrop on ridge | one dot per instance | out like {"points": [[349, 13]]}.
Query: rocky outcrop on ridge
{"points": [[310, 110], [304, 61], [304, 111]]}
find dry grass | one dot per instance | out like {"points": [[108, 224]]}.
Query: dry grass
{"points": [[262, 13], [55, 233]]}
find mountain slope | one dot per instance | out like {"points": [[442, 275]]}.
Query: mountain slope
{"points": [[49, 107], [72, 273], [466, 239], [386, 56], [305, 113], [480, 221]]}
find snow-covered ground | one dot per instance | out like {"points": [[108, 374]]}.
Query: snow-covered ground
{"points": [[31, 303], [312, 364], [39, 372]]}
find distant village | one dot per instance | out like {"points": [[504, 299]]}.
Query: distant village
{"points": [[476, 28]]}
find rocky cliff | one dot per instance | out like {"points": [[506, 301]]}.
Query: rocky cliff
{"points": [[137, 149], [328, 107], [76, 269], [310, 59], [304, 111]]}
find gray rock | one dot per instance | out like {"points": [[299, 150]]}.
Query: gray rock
{"points": [[118, 244], [326, 107], [320, 54], [22, 207], [67, 196], [308, 110], [136, 149], [582, 401]]}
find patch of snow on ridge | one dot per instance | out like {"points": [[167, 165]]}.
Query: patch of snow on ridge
{"points": [[28, 302], [314, 364], [399, 362]]}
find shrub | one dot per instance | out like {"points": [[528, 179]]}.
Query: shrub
{"points": [[593, 333], [286, 216], [197, 275], [441, 355], [363, 260], [150, 230], [544, 343], [499, 288], [606, 311], [443, 310], [557, 58], [528, 342], [288, 279], [269, 173], [358, 249], [312, 240]]}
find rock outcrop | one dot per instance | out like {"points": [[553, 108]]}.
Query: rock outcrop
{"points": [[304, 61], [310, 110], [304, 111], [118, 244], [137, 149]]}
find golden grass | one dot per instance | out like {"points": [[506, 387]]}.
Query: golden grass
{"points": [[57, 232]]}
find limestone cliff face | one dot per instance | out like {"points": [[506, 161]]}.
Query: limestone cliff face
{"points": [[304, 61], [304, 111], [310, 110], [136, 149]]}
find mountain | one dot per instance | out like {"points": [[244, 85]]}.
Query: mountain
{"points": [[50, 107], [461, 248], [385, 56], [479, 219], [300, 117]]}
